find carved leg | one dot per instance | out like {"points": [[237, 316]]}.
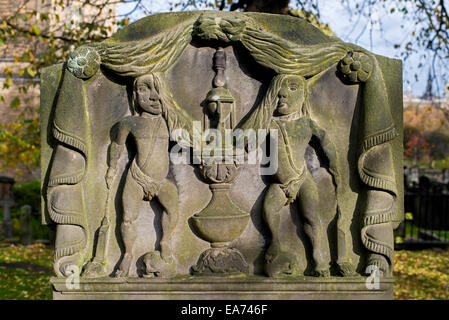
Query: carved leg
{"points": [[278, 263], [345, 267], [168, 198], [309, 204], [274, 201], [132, 195]]}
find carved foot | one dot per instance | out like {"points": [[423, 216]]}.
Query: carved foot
{"points": [[283, 264], [321, 273], [94, 270], [272, 253], [156, 266], [346, 269], [123, 270], [221, 261]]}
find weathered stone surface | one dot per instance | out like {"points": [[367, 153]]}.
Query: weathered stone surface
{"points": [[26, 226], [7, 203], [116, 117], [248, 288]]}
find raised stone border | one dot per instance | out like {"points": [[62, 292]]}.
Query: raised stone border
{"points": [[241, 288]]}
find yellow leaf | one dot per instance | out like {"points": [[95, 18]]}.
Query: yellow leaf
{"points": [[30, 72], [35, 29]]}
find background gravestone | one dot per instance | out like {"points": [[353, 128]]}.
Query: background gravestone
{"points": [[7, 202], [312, 228], [26, 227]]}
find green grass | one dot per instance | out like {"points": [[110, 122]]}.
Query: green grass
{"points": [[31, 283], [412, 231], [421, 275], [418, 274]]}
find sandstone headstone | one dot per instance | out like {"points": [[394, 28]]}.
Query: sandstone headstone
{"points": [[223, 155], [26, 226], [7, 204]]}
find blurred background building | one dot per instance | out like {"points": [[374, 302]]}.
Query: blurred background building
{"points": [[62, 16]]}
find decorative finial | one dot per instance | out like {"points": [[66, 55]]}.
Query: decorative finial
{"points": [[219, 66]]}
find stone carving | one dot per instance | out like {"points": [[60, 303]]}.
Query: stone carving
{"points": [[111, 120], [356, 67], [156, 266], [147, 175], [84, 63], [293, 181], [221, 221], [292, 119]]}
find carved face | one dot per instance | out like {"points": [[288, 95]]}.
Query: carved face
{"points": [[290, 96], [147, 96]]}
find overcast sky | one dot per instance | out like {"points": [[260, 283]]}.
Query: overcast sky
{"points": [[379, 36]]}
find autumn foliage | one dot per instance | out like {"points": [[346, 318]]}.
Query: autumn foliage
{"points": [[426, 133]]}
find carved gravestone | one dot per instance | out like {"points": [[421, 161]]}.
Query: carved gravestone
{"points": [[26, 225], [223, 155], [7, 226]]}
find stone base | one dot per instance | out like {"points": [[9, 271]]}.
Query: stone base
{"points": [[221, 261], [239, 288]]}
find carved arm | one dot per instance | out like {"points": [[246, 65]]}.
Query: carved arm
{"points": [[115, 150]]}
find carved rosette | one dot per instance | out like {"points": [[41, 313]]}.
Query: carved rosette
{"points": [[356, 67], [84, 62]]}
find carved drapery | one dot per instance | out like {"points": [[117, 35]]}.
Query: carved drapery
{"points": [[133, 58], [65, 192]]}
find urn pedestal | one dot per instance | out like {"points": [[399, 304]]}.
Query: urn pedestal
{"points": [[220, 223]]}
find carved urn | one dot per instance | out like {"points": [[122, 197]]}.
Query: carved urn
{"points": [[219, 223]]}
